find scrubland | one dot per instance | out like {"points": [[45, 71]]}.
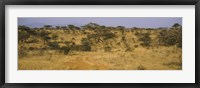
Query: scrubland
{"points": [[98, 47]]}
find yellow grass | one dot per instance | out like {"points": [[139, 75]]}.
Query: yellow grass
{"points": [[139, 58], [157, 59]]}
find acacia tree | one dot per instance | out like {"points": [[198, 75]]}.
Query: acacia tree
{"points": [[23, 33], [172, 36], [121, 28], [102, 27], [70, 26], [47, 26], [22, 27], [91, 26], [64, 27], [57, 27], [77, 27], [176, 25]]}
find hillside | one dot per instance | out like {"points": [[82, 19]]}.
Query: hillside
{"points": [[104, 48]]}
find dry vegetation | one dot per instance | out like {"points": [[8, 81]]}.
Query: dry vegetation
{"points": [[96, 47]]}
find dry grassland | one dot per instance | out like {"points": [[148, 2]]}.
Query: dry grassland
{"points": [[122, 53]]}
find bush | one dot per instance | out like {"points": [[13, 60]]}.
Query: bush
{"points": [[105, 35], [146, 39], [32, 41], [141, 67], [128, 49], [85, 41], [136, 46], [93, 36], [22, 53], [137, 33], [33, 32], [123, 38], [65, 49], [23, 35], [107, 49], [53, 45], [108, 35], [86, 48], [170, 37], [54, 37], [85, 45], [32, 48]]}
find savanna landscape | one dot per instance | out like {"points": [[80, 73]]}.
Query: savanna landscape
{"points": [[99, 47]]}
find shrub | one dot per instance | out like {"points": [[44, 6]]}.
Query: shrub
{"points": [[128, 49], [123, 38], [118, 43], [108, 35], [22, 27], [135, 46], [170, 37], [67, 43], [31, 48], [22, 53], [65, 49], [54, 37], [141, 67], [93, 36], [23, 35], [33, 32], [85, 41], [107, 49], [86, 48], [137, 33], [53, 45], [32, 41], [85, 45], [146, 39]]}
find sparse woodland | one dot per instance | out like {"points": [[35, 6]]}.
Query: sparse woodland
{"points": [[98, 47]]}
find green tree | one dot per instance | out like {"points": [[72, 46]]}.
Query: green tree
{"points": [[85, 44], [45, 36], [176, 25], [53, 45], [22, 36], [64, 27], [170, 37], [24, 33], [54, 37], [91, 26], [57, 27], [120, 27], [108, 35], [71, 26], [47, 26], [22, 27], [146, 39]]}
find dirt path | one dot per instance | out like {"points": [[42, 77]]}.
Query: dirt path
{"points": [[88, 62]]}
